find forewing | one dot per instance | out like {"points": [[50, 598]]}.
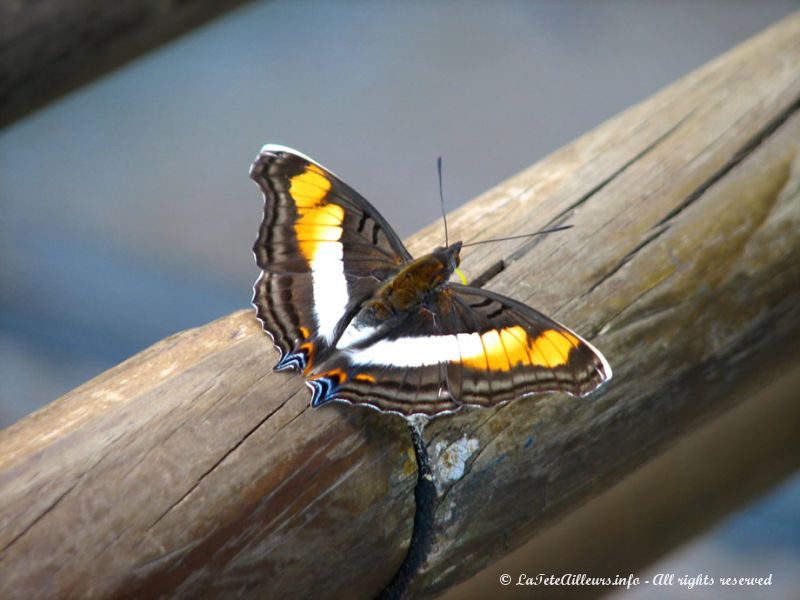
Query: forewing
{"points": [[322, 249]]}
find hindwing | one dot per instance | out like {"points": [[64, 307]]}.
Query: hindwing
{"points": [[508, 350], [464, 346]]}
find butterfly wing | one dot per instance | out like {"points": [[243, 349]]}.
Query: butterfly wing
{"points": [[509, 350], [322, 249], [465, 346], [403, 369]]}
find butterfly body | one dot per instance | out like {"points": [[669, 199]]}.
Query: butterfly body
{"points": [[347, 305], [416, 281]]}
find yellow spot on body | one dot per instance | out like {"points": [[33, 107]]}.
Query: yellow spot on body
{"points": [[304, 332], [504, 349], [463, 277], [318, 223], [365, 377]]}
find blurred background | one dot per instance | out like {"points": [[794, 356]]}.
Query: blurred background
{"points": [[126, 213]]}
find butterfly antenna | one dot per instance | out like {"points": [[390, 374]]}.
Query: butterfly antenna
{"points": [[517, 237], [441, 199]]}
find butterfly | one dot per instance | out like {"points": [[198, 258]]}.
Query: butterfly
{"points": [[366, 323]]}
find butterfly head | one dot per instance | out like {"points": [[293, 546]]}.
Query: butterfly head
{"points": [[450, 256]]}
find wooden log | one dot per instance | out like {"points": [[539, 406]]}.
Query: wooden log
{"points": [[193, 468], [52, 46]]}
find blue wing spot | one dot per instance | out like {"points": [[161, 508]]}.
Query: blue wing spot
{"points": [[323, 390], [295, 360], [319, 392]]}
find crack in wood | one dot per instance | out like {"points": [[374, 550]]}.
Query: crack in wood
{"points": [[663, 225], [58, 500], [562, 216], [488, 273], [219, 461], [649, 313], [642, 317], [627, 258], [422, 535], [165, 416], [754, 142], [43, 514], [527, 247], [307, 405], [144, 456]]}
